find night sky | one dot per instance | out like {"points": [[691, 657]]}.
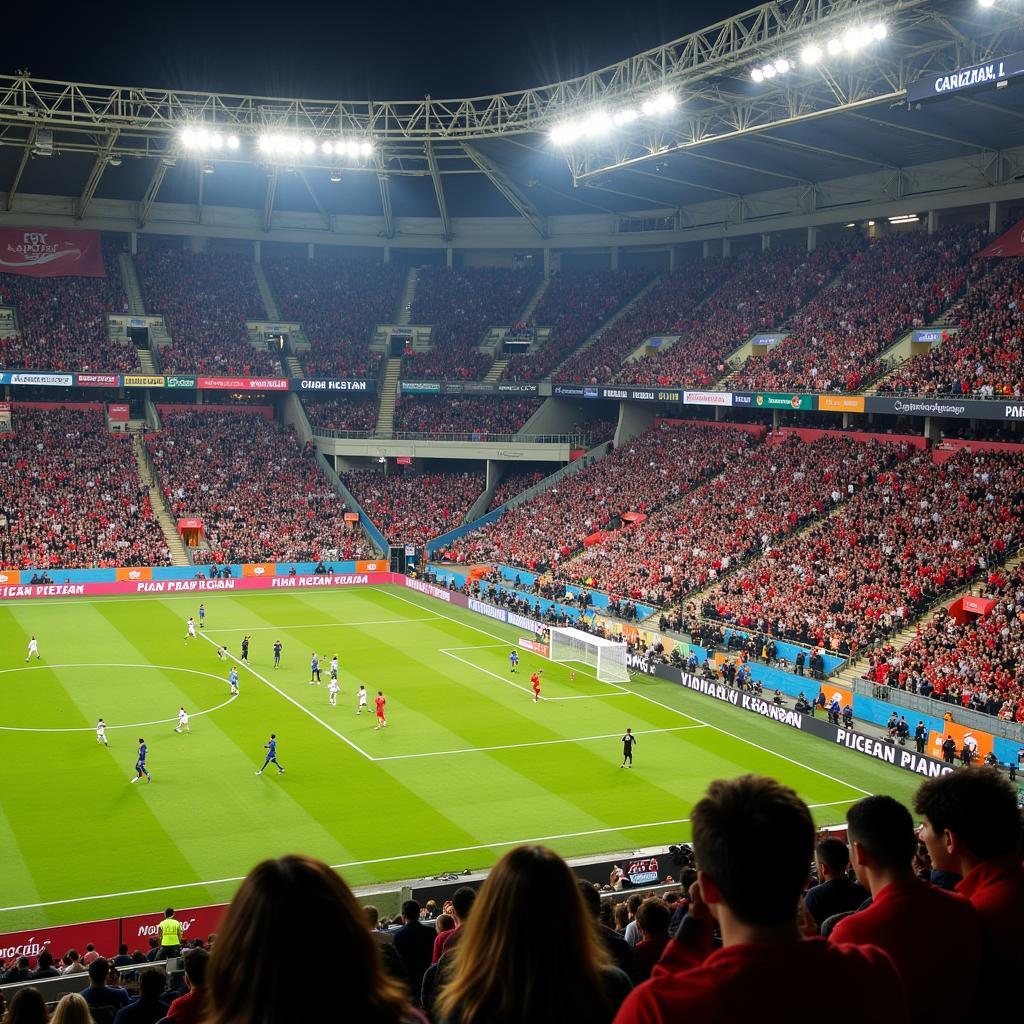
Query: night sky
{"points": [[372, 50]]}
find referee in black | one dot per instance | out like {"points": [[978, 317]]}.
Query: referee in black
{"points": [[627, 749]]}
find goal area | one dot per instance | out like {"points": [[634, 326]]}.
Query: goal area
{"points": [[606, 657]]}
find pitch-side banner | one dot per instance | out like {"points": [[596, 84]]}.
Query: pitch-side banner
{"points": [[49, 252]]}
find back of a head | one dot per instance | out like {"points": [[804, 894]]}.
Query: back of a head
{"points": [[591, 898], [98, 971], [754, 838], [72, 1009], [196, 961], [462, 901], [372, 916], [507, 969], [978, 805], [885, 829], [27, 1007], [250, 983], [411, 910], [45, 959], [151, 983], [653, 917], [834, 854]]}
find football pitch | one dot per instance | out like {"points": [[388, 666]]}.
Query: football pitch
{"points": [[468, 765]]}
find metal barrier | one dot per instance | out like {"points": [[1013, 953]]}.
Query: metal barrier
{"points": [[475, 436]]}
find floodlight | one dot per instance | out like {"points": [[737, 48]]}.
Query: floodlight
{"points": [[188, 137], [835, 47], [308, 146], [327, 147], [768, 71], [352, 148], [365, 148], [233, 142], [626, 116], [811, 54], [757, 75], [598, 123], [291, 145], [265, 143], [986, 3], [782, 66], [216, 140], [879, 31], [563, 134]]}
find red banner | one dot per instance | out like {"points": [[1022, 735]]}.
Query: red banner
{"points": [[98, 380], [192, 523], [104, 935], [117, 413], [403, 460], [1009, 244], [978, 605], [51, 252], [196, 923], [244, 383]]}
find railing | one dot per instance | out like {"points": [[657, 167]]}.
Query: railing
{"points": [[937, 708], [475, 436]]}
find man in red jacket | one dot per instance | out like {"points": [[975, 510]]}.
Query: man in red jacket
{"points": [[754, 840], [972, 827], [904, 908]]}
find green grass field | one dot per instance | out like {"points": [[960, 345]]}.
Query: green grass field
{"points": [[467, 767]]}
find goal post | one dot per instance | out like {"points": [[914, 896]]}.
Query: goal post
{"points": [[606, 657]]}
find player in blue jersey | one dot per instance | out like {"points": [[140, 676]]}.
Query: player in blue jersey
{"points": [[140, 763], [271, 749], [513, 661], [277, 653], [233, 680], [314, 669], [202, 615]]}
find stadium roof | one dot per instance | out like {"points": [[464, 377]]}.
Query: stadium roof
{"points": [[727, 137]]}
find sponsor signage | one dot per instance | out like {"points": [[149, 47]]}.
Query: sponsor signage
{"points": [[638, 663], [118, 412], [10, 576], [947, 408], [523, 622], [514, 389], [131, 573], [429, 589], [181, 382], [403, 460], [567, 390], [365, 387], [927, 337], [46, 380], [840, 403], [487, 609], [243, 383], [48, 252], [258, 569], [767, 340], [451, 387], [58, 939], [777, 400], [591, 392], [196, 923], [934, 86], [419, 387], [742, 398], [534, 645], [142, 381], [707, 398], [98, 380], [371, 566]]}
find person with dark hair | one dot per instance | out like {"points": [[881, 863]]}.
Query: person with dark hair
{"points": [[753, 839], [147, 1008], [904, 908], [462, 904], [44, 966], [19, 972], [972, 826], [506, 970], [26, 1007], [835, 892], [652, 919], [191, 1007], [414, 942], [99, 993], [123, 958], [250, 983], [615, 945]]}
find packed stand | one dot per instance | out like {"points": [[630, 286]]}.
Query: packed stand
{"points": [[339, 304], [902, 281], [975, 665], [574, 305], [413, 508], [514, 482], [461, 305], [670, 302], [259, 492], [595, 431], [479, 416], [759, 293], [206, 298], [63, 322], [71, 495], [356, 412], [764, 495], [918, 531], [982, 359], [637, 477]]}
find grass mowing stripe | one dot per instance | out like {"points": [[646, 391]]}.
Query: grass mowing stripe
{"points": [[322, 625]]}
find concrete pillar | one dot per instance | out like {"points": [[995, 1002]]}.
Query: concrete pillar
{"points": [[495, 468], [846, 421], [812, 238], [387, 254], [197, 243], [256, 251], [932, 222], [775, 419], [672, 259], [707, 248], [135, 243], [634, 419], [310, 251], [547, 262], [726, 248], [615, 257], [993, 217], [933, 429], [766, 241], [448, 257]]}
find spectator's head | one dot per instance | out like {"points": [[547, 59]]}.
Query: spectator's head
{"points": [[444, 923], [881, 833], [72, 1009], [45, 960], [250, 983], [502, 948], [653, 918], [98, 971], [169, 912], [969, 816], [27, 1006], [633, 904], [22, 963], [196, 961], [151, 983], [753, 839], [832, 858], [410, 911], [620, 916], [591, 898], [462, 903], [372, 917], [122, 950], [72, 956]]}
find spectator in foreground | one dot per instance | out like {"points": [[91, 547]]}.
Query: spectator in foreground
{"points": [[754, 839], [249, 983], [99, 993], [652, 919], [614, 944], [27, 1007], [836, 892], [972, 826], [506, 970], [462, 904], [72, 1009], [191, 1007], [414, 942], [904, 908], [148, 1008]]}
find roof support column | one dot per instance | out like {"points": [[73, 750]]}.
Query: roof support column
{"points": [[933, 221], [766, 241], [812, 238]]}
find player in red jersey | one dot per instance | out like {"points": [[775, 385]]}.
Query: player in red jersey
{"points": [[380, 702], [535, 680]]}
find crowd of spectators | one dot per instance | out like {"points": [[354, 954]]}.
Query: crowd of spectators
{"points": [[976, 664], [71, 495], [764, 494], [482, 416], [205, 298], [259, 492], [515, 481], [661, 311], [412, 508], [339, 303], [983, 358], [901, 281], [916, 532], [461, 305], [353, 412], [638, 477], [759, 292], [574, 305], [63, 322]]}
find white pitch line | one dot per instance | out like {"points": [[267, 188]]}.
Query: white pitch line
{"points": [[382, 860], [322, 625], [533, 743], [292, 700], [667, 707]]}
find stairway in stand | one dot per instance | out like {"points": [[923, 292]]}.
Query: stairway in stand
{"points": [[179, 553], [130, 281], [269, 302], [404, 315], [388, 394], [497, 370]]}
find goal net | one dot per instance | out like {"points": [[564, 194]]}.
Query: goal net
{"points": [[606, 657]]}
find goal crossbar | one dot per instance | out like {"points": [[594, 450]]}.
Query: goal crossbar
{"points": [[606, 657]]}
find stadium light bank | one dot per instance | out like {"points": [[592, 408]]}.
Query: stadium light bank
{"points": [[852, 41], [272, 146], [598, 124]]}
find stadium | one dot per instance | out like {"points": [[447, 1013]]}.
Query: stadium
{"points": [[551, 555]]}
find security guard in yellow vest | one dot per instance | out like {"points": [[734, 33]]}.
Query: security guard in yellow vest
{"points": [[170, 935]]}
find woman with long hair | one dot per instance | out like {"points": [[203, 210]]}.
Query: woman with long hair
{"points": [[72, 1009], [26, 1007], [250, 983], [510, 967]]}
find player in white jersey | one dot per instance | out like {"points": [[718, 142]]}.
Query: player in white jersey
{"points": [[183, 721], [101, 733], [332, 689], [190, 627], [362, 700], [33, 648], [334, 667]]}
